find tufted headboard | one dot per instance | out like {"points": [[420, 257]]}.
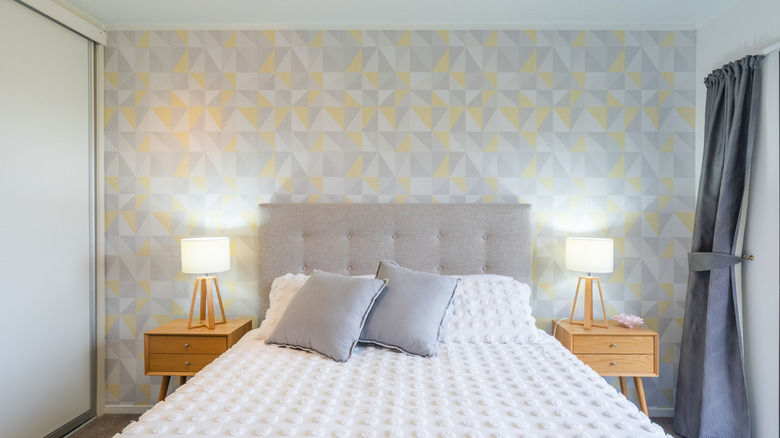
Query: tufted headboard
{"points": [[350, 239]]}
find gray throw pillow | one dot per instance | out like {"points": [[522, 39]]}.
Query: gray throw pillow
{"points": [[409, 313], [327, 314]]}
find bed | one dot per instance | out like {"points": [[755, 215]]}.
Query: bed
{"points": [[493, 373]]}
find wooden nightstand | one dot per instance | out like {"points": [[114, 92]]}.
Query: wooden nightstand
{"points": [[174, 350], [614, 351]]}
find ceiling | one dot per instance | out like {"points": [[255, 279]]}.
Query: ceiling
{"points": [[373, 14]]}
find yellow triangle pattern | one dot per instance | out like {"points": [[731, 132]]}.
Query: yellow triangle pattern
{"points": [[113, 78], [269, 65], [530, 64], [443, 65], [230, 41], [164, 114], [443, 171], [668, 288], [129, 113], [579, 41], [668, 252], [687, 219], [530, 169], [183, 35], [565, 115], [443, 137], [512, 114], [541, 115], [619, 64], [492, 40], [652, 220], [165, 219], [356, 66], [317, 40], [143, 42], [405, 40], [530, 137], [668, 40], [460, 77], [636, 288], [425, 115], [688, 114], [636, 77], [183, 65], [600, 114], [356, 170]]}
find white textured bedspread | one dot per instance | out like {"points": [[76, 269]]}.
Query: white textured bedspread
{"points": [[468, 390]]}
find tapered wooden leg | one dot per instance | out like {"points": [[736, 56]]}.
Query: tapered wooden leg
{"points": [[603, 309], [203, 292], [588, 311], [219, 299], [192, 306], [623, 386], [182, 380], [210, 305], [640, 394], [164, 387], [574, 304]]}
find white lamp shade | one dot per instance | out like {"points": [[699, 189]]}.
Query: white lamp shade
{"points": [[587, 254], [205, 255]]}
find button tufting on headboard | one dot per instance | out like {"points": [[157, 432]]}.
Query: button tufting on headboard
{"points": [[352, 238]]}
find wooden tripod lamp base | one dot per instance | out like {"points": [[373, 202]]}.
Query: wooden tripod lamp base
{"points": [[198, 256], [207, 319], [587, 320], [591, 255]]}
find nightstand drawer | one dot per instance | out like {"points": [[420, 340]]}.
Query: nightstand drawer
{"points": [[613, 344], [187, 344], [179, 363], [616, 364]]}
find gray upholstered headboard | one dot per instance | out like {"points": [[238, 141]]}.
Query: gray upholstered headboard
{"points": [[350, 239]]}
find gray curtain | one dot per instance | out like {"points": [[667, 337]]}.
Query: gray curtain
{"points": [[711, 394]]}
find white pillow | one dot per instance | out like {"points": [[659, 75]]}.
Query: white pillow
{"points": [[477, 277], [484, 308], [283, 289], [490, 310]]}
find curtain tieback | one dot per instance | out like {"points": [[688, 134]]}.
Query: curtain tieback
{"points": [[708, 261]]}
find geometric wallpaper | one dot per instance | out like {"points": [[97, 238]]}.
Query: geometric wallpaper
{"points": [[595, 129]]}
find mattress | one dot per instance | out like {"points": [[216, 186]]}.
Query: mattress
{"points": [[468, 390]]}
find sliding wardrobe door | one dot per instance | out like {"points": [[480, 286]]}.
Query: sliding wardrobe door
{"points": [[46, 253]]}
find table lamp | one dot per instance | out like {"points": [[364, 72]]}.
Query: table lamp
{"points": [[204, 256], [591, 255]]}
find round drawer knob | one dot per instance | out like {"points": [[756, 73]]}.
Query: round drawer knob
{"points": [[186, 364], [614, 364], [186, 345], [613, 345]]}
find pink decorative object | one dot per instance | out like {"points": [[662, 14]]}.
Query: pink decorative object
{"points": [[628, 320]]}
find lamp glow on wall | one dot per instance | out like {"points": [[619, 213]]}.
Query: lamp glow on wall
{"points": [[204, 256], [591, 255]]}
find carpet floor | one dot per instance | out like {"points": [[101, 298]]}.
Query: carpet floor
{"points": [[105, 426], [110, 424]]}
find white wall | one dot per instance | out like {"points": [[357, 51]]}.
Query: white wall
{"points": [[760, 277], [748, 28]]}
